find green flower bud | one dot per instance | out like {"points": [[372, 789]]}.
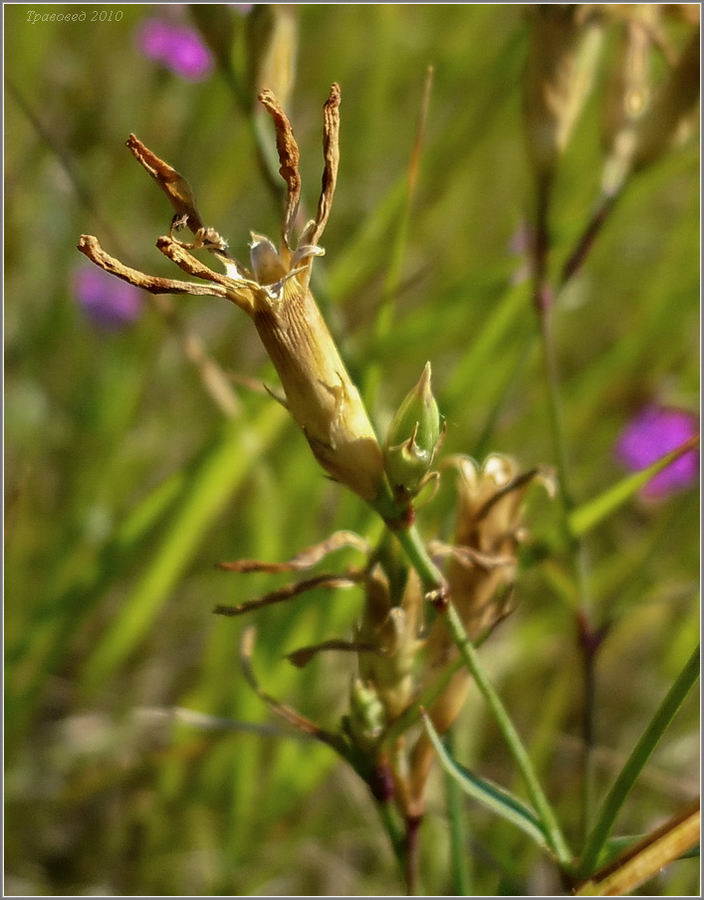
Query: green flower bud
{"points": [[413, 439], [367, 717]]}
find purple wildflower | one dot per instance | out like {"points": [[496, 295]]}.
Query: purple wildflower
{"points": [[655, 431], [177, 47], [109, 303], [242, 8]]}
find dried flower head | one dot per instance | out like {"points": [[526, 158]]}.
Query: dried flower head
{"points": [[480, 572], [564, 48], [274, 291]]}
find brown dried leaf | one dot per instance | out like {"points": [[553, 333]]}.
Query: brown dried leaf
{"points": [[303, 560], [469, 557], [304, 655], [348, 579], [285, 712]]}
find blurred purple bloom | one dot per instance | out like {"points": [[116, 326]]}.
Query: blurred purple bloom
{"points": [[177, 47], [109, 303], [655, 431], [242, 8]]}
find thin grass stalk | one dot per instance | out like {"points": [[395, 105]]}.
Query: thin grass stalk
{"points": [[640, 754], [392, 283], [543, 303]]}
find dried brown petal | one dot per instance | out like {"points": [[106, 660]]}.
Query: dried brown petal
{"points": [[240, 292], [90, 247], [331, 155], [289, 158], [174, 185]]}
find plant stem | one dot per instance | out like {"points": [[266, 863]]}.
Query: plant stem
{"points": [[642, 862], [639, 756], [410, 847], [393, 833], [431, 577], [584, 244], [434, 583], [543, 302], [459, 868], [533, 788]]}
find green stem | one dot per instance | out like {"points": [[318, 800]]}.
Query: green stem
{"points": [[534, 790], [459, 866], [543, 303], [429, 574], [393, 833], [638, 758], [433, 582]]}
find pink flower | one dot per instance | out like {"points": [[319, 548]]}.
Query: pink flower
{"points": [[109, 303], [177, 47], [655, 431]]}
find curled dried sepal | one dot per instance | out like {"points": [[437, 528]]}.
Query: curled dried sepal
{"points": [[90, 246], [306, 559], [343, 580]]}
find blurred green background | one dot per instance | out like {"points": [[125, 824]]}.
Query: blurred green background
{"points": [[126, 483]]}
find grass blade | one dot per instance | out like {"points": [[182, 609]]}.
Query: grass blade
{"points": [[668, 843], [591, 513], [221, 473], [634, 764]]}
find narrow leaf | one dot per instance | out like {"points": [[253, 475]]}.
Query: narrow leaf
{"points": [[591, 513], [634, 764], [494, 797]]}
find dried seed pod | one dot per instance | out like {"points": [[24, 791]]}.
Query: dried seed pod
{"points": [[672, 109], [627, 95], [564, 49], [488, 528]]}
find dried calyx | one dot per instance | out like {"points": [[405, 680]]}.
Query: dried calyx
{"points": [[274, 291]]}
